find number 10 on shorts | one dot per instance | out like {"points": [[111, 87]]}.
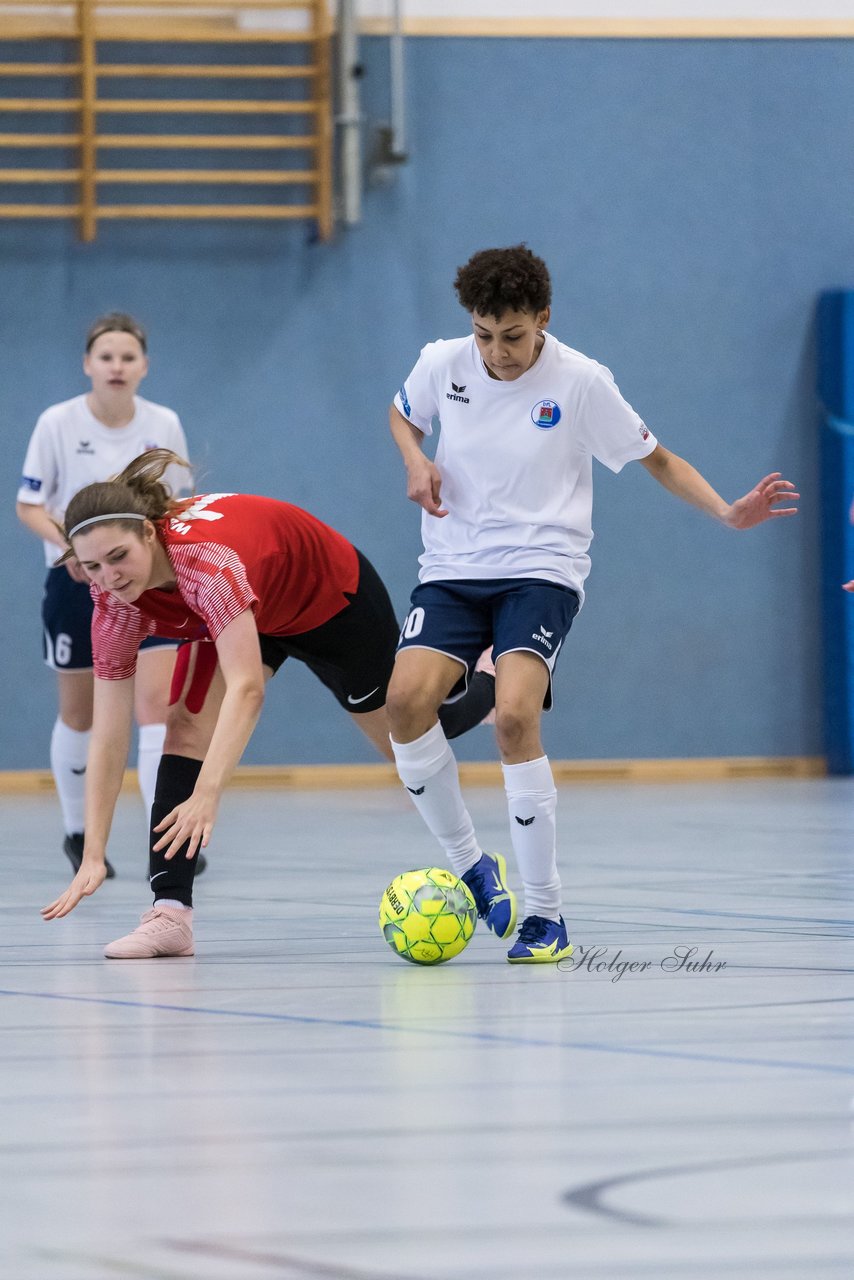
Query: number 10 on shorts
{"points": [[413, 624]]}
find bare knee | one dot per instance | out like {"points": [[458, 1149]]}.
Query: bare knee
{"points": [[75, 699], [517, 733], [153, 680], [411, 710], [151, 710], [78, 720], [185, 734]]}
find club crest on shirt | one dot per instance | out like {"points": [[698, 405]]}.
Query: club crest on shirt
{"points": [[546, 414]]}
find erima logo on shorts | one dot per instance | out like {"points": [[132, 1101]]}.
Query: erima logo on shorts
{"points": [[30, 482], [545, 415], [544, 637], [456, 393]]}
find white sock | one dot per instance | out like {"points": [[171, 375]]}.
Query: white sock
{"points": [[531, 801], [68, 751], [428, 770], [149, 751], [172, 902]]}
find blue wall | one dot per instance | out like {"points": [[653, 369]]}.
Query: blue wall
{"points": [[691, 198]]}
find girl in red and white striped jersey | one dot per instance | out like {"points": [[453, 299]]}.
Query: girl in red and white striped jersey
{"points": [[252, 581]]}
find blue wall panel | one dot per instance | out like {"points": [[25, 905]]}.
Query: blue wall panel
{"points": [[680, 191], [836, 353], [837, 486]]}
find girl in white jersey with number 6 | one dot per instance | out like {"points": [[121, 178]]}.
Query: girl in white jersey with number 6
{"points": [[76, 443], [506, 526]]}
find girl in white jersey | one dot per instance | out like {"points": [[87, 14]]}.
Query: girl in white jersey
{"points": [[506, 525], [75, 443]]}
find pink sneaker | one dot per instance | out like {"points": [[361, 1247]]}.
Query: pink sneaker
{"points": [[162, 931]]}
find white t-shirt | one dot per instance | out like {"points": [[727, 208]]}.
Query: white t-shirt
{"points": [[70, 448], [516, 460]]}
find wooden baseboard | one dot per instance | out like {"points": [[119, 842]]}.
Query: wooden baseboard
{"points": [[331, 777], [621, 28], [63, 25]]}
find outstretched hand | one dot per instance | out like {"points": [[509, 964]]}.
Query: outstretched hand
{"points": [[90, 877], [762, 503]]}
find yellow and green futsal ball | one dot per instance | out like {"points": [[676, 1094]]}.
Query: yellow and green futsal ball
{"points": [[427, 916]]}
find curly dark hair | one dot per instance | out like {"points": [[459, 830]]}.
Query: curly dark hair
{"points": [[497, 280]]}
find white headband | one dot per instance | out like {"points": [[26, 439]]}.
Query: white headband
{"points": [[118, 515]]}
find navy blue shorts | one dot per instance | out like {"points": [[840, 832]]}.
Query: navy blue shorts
{"points": [[462, 618], [67, 621]]}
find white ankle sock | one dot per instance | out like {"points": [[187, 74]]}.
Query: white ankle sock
{"points": [[172, 902], [68, 751], [149, 751], [428, 770], [531, 801]]}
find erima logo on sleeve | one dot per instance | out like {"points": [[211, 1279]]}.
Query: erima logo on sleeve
{"points": [[457, 394], [31, 483], [404, 400]]}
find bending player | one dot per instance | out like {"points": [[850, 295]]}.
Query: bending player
{"points": [[506, 525], [74, 443], [264, 581]]}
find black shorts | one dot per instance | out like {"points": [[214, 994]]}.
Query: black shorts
{"points": [[352, 653], [67, 624]]}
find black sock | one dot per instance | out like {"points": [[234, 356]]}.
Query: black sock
{"points": [[176, 778], [459, 717]]}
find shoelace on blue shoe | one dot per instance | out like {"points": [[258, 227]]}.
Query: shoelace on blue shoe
{"points": [[475, 878], [534, 929]]}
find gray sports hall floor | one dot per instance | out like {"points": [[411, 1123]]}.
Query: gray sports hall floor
{"points": [[297, 1103]]}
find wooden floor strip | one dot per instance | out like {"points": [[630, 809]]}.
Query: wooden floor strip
{"points": [[622, 28], [313, 777]]}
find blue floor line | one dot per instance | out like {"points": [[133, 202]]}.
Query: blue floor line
{"points": [[482, 1036]]}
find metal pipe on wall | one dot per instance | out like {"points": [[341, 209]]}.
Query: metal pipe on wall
{"points": [[397, 81], [349, 117]]}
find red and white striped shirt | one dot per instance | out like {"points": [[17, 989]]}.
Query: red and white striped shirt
{"points": [[230, 552]]}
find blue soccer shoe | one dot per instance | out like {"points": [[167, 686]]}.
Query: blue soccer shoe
{"points": [[494, 899], [540, 941]]}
